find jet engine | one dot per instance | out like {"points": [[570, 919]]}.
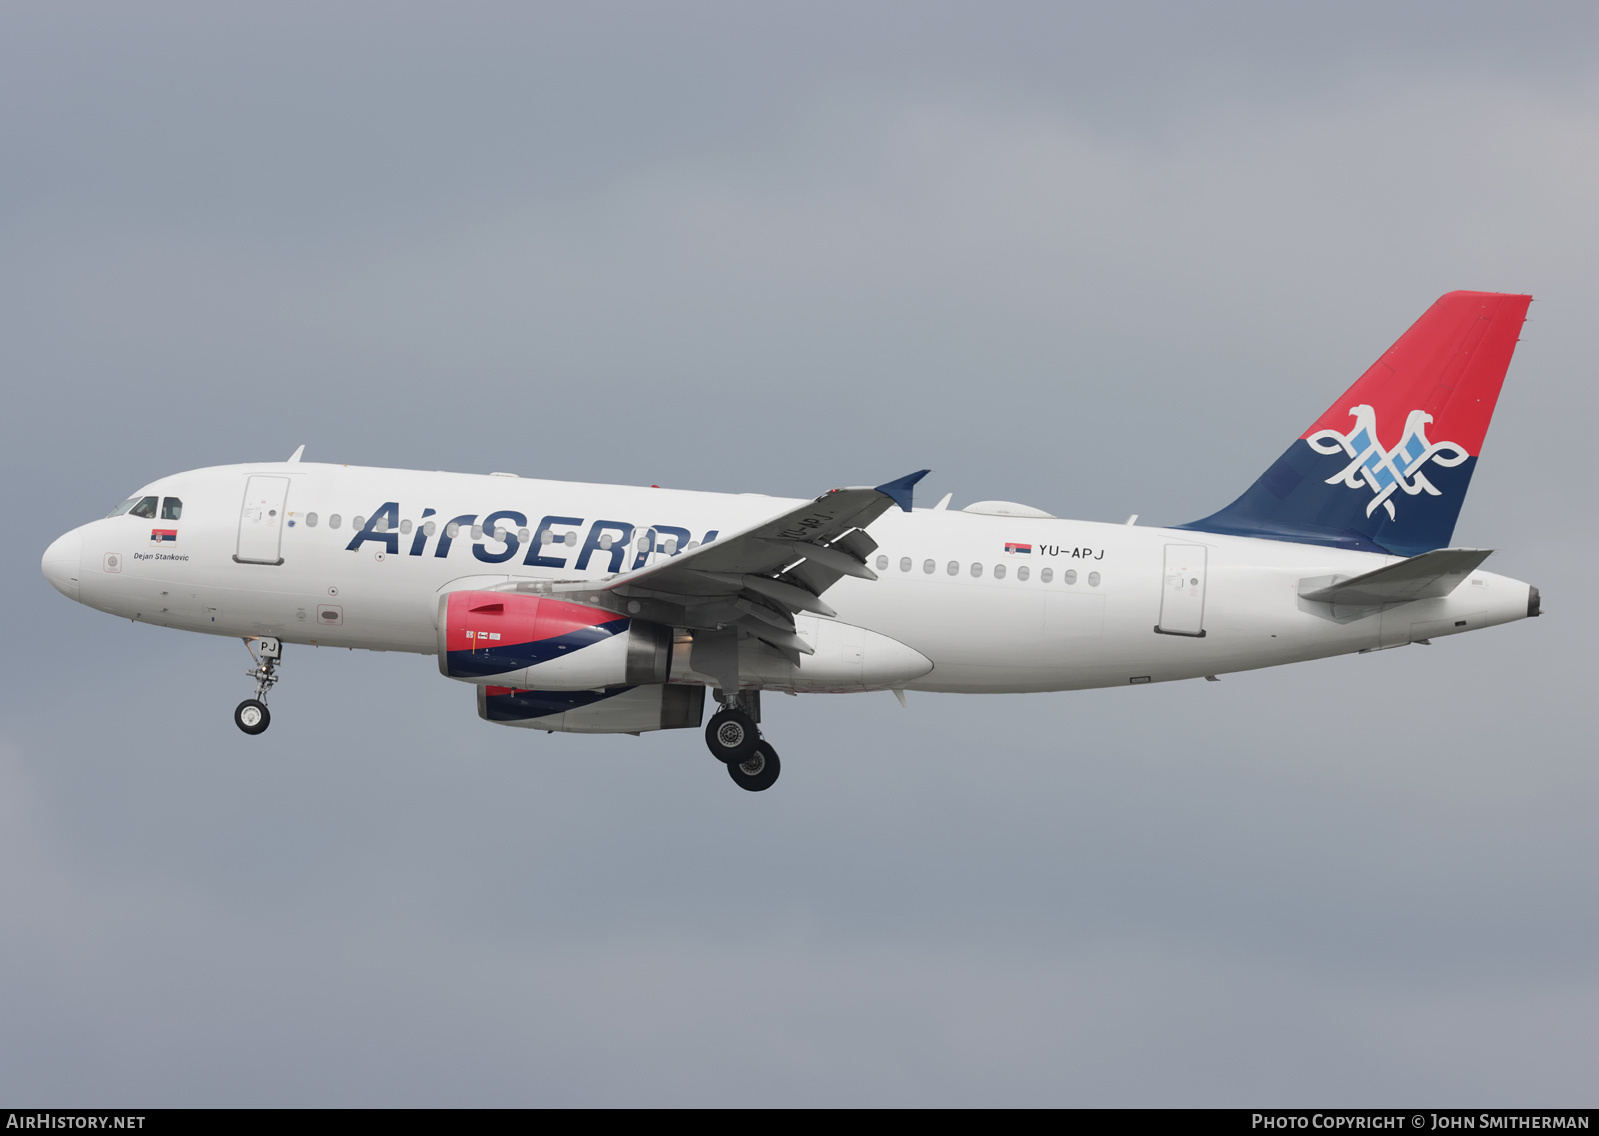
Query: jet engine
{"points": [[535, 642]]}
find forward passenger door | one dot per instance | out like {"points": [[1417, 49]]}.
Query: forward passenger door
{"points": [[261, 521]]}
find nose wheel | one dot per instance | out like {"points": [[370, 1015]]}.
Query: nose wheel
{"points": [[252, 715]]}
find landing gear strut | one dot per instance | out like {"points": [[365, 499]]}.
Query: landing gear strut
{"points": [[734, 738], [252, 715]]}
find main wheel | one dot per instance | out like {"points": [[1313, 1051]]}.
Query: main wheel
{"points": [[731, 735], [251, 716], [758, 771]]}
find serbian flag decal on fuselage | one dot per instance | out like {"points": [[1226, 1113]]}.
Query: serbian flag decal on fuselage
{"points": [[163, 536], [1014, 549]]}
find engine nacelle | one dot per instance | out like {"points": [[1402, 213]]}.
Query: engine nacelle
{"points": [[535, 642], [620, 710]]}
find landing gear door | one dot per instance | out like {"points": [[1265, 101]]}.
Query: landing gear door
{"points": [[1182, 599], [261, 520]]}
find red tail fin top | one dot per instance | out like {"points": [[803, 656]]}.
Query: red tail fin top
{"points": [[1449, 365]]}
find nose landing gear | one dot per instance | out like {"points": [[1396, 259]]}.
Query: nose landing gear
{"points": [[252, 715], [734, 738]]}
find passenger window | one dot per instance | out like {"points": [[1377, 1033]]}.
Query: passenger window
{"points": [[954, 568], [1093, 579], [1046, 575], [1070, 575], [904, 563], [145, 507], [334, 521], [310, 520], [1021, 573], [977, 570], [999, 571], [171, 509], [928, 566], [882, 563]]}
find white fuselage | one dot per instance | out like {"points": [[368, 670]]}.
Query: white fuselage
{"points": [[1080, 609]]}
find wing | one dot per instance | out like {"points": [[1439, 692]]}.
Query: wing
{"points": [[757, 579]]}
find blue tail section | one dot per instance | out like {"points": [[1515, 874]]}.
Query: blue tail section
{"points": [[1302, 498]]}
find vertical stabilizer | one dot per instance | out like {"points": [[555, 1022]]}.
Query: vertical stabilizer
{"points": [[1386, 467]]}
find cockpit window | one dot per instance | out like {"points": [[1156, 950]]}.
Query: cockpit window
{"points": [[138, 506], [171, 509]]}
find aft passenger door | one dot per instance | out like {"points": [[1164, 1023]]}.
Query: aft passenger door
{"points": [[261, 521], [1182, 598]]}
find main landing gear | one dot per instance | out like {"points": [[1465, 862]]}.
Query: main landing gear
{"points": [[757, 771], [252, 715], [734, 738]]}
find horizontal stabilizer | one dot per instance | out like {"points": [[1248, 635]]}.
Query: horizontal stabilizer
{"points": [[1429, 576]]}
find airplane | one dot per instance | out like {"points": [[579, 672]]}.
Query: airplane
{"points": [[590, 608]]}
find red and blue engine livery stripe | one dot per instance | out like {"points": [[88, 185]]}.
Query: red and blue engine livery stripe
{"points": [[511, 704], [491, 633]]}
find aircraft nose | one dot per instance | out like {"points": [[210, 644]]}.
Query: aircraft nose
{"points": [[61, 563]]}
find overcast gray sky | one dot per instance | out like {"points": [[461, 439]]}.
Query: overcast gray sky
{"points": [[1102, 259]]}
